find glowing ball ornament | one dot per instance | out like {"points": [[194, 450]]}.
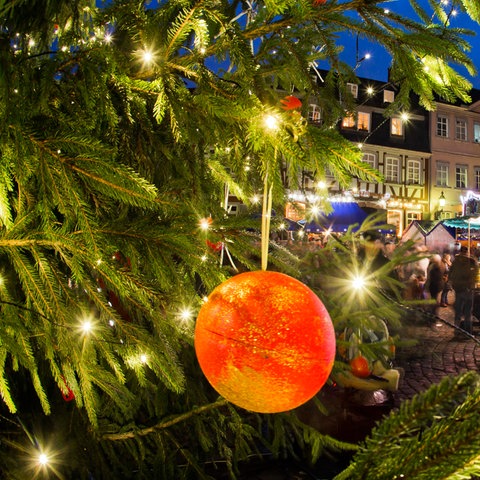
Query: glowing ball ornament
{"points": [[265, 341], [360, 367]]}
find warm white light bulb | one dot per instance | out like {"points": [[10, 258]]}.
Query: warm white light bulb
{"points": [[186, 314], [42, 459], [147, 56], [86, 326], [358, 282], [271, 122], [205, 223]]}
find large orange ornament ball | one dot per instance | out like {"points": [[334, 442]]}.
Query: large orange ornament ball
{"points": [[265, 341]]}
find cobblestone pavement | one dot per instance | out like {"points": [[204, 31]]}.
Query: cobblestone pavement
{"points": [[442, 349]]}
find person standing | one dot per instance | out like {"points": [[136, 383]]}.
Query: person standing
{"points": [[435, 277], [463, 277], [447, 263]]}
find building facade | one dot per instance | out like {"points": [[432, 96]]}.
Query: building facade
{"points": [[455, 160], [430, 161]]}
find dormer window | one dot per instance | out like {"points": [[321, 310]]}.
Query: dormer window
{"points": [[353, 89], [388, 96]]}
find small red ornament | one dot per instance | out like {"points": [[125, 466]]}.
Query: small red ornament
{"points": [[316, 3], [265, 341], [360, 367], [68, 396], [290, 103], [214, 246]]}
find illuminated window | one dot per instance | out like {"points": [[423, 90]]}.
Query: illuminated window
{"points": [[314, 113], [388, 96], [442, 174], [392, 169], [442, 126], [353, 89], [348, 122], [396, 126], [363, 122], [411, 216], [413, 171], [460, 129], [461, 176]]}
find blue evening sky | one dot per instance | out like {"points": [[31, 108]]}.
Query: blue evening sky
{"points": [[376, 67]]}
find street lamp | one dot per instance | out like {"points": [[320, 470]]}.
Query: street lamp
{"points": [[441, 204], [441, 200]]}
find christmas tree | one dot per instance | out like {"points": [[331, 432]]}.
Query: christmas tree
{"points": [[125, 127]]}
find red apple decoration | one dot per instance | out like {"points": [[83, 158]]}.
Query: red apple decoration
{"points": [[265, 341], [360, 366]]}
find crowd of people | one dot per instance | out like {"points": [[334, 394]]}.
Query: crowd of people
{"points": [[450, 277]]}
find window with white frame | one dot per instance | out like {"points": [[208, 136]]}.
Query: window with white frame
{"points": [[413, 171], [348, 121], [442, 126], [388, 96], [442, 174], [411, 216], [363, 122], [370, 158], [392, 169], [477, 178], [353, 89], [396, 126], [476, 132], [460, 129], [314, 113], [461, 176]]}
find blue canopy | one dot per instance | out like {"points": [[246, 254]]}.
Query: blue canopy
{"points": [[343, 215]]}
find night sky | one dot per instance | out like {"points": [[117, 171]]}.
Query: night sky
{"points": [[376, 67]]}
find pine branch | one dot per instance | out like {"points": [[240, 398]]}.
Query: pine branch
{"points": [[167, 423]]}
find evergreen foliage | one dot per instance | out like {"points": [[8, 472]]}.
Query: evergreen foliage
{"points": [[121, 126]]}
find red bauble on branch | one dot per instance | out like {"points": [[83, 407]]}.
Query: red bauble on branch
{"points": [[316, 3], [290, 103], [265, 341]]}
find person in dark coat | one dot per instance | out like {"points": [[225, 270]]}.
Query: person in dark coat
{"points": [[435, 277], [463, 276]]}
